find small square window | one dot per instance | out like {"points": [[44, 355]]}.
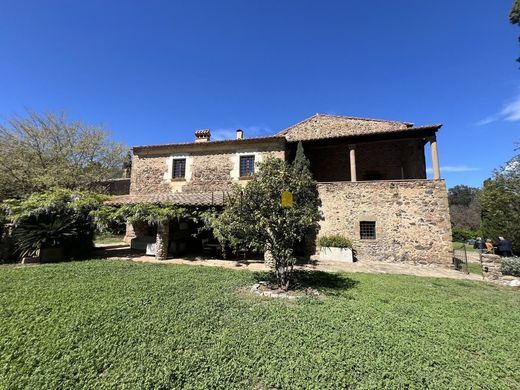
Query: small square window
{"points": [[367, 230], [179, 168], [247, 166]]}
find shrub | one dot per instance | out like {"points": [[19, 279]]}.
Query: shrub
{"points": [[335, 241], [511, 266], [57, 218], [47, 231], [461, 235]]}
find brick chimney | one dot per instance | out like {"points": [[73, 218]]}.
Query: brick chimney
{"points": [[202, 135], [240, 134]]}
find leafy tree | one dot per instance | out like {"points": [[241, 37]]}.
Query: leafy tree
{"points": [[514, 16], [300, 163], [43, 151], [466, 217], [127, 164], [255, 219], [500, 201], [464, 207], [462, 195]]}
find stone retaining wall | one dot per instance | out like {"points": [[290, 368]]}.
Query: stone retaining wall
{"points": [[412, 219], [491, 267]]}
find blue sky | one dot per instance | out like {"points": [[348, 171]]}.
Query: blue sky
{"points": [[154, 71]]}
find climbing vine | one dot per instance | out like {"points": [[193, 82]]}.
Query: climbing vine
{"points": [[152, 214]]}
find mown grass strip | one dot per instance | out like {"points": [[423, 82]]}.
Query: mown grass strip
{"points": [[108, 324]]}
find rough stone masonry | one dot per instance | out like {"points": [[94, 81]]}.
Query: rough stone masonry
{"points": [[411, 218]]}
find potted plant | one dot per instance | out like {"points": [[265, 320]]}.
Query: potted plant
{"points": [[45, 239], [335, 248]]}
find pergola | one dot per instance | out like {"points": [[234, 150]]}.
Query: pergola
{"points": [[184, 199]]}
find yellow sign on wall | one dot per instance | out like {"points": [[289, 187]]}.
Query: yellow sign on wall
{"points": [[287, 199]]}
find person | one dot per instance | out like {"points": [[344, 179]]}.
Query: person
{"points": [[479, 244], [504, 247], [489, 246]]}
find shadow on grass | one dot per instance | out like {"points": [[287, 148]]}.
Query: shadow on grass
{"points": [[318, 280], [122, 251]]}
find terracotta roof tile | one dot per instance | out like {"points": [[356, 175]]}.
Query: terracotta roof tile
{"points": [[242, 141], [179, 198], [319, 126], [322, 126]]}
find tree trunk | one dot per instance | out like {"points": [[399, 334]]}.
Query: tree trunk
{"points": [[269, 259], [282, 272], [162, 241]]}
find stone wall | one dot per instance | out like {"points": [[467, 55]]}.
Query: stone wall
{"points": [[148, 174], [412, 219], [209, 169]]}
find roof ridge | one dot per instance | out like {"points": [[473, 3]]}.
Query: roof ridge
{"points": [[365, 119], [284, 131]]}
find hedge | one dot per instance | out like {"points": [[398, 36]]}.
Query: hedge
{"points": [[335, 241], [511, 266]]}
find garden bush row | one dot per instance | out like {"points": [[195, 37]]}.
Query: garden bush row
{"points": [[334, 241], [511, 266]]}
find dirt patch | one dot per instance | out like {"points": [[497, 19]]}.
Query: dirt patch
{"points": [[264, 289]]}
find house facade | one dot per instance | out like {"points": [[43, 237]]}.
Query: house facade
{"points": [[371, 178]]}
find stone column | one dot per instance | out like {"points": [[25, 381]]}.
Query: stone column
{"points": [[352, 155], [162, 240], [435, 158], [130, 233]]}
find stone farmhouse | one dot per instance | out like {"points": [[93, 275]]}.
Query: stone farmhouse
{"points": [[371, 178]]}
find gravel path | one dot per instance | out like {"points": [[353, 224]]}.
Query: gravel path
{"points": [[123, 252]]}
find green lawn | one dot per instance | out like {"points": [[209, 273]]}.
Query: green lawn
{"points": [[109, 239], [469, 248], [475, 268], [116, 324]]}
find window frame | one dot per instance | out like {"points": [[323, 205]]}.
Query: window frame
{"points": [[367, 230], [183, 169], [248, 174]]}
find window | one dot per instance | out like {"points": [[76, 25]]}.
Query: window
{"points": [[179, 168], [247, 166], [367, 230]]}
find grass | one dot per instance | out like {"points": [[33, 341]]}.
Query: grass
{"points": [[469, 248], [115, 324], [471, 267], [474, 268], [109, 239]]}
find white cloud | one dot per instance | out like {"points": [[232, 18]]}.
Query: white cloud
{"points": [[487, 120], [249, 131], [510, 112], [454, 168]]}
